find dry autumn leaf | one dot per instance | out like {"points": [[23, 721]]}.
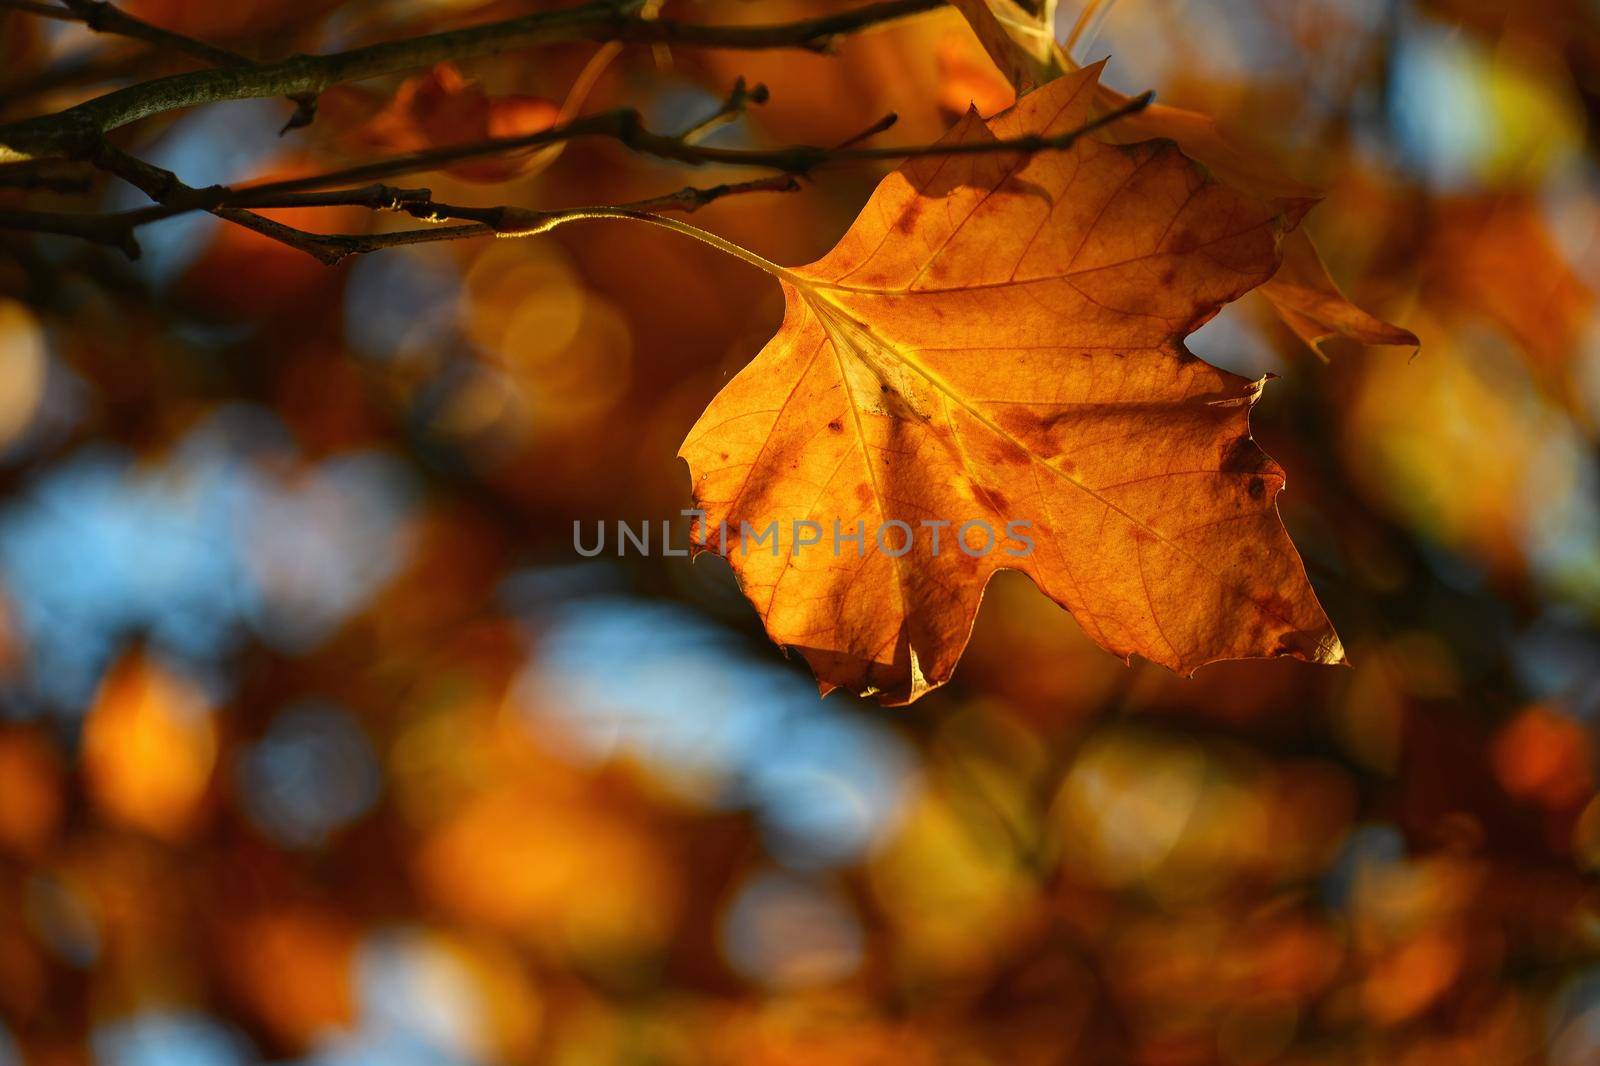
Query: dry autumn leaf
{"points": [[1303, 293], [998, 340], [1311, 304], [1020, 40]]}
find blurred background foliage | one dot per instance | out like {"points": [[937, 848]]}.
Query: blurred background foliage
{"points": [[320, 744]]}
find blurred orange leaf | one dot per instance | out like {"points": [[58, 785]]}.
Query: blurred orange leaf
{"points": [[149, 747], [444, 107], [293, 966], [33, 790], [548, 870], [998, 340], [967, 79], [1545, 756], [1495, 258]]}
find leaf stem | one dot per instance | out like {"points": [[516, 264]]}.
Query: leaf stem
{"points": [[676, 225]]}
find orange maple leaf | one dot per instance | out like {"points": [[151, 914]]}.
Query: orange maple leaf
{"points": [[998, 340], [1021, 44]]}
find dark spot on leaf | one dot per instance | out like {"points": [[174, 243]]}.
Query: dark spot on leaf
{"points": [[1258, 488], [1273, 605], [994, 499], [1243, 457], [908, 218], [1019, 422], [836, 425]]}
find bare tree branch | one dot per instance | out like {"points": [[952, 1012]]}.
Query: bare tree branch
{"points": [[103, 17], [79, 132], [173, 197], [76, 130], [117, 229], [522, 222], [114, 230], [52, 175], [170, 192]]}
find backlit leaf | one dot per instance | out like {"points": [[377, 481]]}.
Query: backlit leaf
{"points": [[998, 340]]}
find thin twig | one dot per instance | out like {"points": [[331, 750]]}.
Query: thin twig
{"points": [[51, 175], [508, 220], [117, 229], [626, 127], [732, 108], [171, 193], [101, 229], [372, 197], [521, 222], [881, 126]]}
